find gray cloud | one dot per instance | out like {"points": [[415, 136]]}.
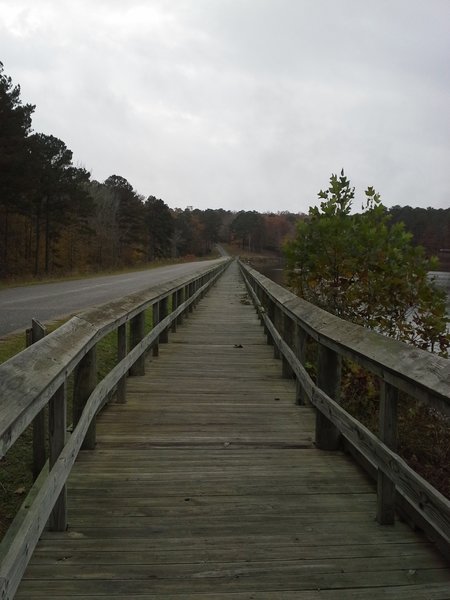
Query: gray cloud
{"points": [[242, 103]]}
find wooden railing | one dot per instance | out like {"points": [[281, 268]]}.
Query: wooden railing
{"points": [[37, 377], [289, 321]]}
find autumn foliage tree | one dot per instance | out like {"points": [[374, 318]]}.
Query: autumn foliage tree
{"points": [[364, 269]]}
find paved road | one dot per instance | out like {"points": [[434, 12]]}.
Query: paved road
{"points": [[55, 300]]}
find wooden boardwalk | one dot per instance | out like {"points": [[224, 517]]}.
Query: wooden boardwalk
{"points": [[206, 484]]}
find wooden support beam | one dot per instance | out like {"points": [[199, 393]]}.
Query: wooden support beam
{"points": [[121, 353], [163, 311], [191, 288], [180, 300], [174, 307], [329, 381], [276, 322], [85, 380], [36, 332], [388, 435], [287, 332], [301, 339], [57, 419], [271, 314], [156, 319], [137, 333]]}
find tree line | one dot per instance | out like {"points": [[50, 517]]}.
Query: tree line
{"points": [[56, 218]]}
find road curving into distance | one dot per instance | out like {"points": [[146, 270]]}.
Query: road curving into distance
{"points": [[50, 301]]}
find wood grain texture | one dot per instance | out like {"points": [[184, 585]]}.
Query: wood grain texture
{"points": [[206, 485]]}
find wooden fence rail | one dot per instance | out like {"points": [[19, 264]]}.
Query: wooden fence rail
{"points": [[37, 377], [288, 322]]}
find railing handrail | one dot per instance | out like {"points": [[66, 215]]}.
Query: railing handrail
{"points": [[421, 374], [288, 320]]}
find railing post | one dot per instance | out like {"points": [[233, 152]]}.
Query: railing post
{"points": [[180, 300], [328, 380], [174, 307], [57, 417], [163, 311], [191, 293], [271, 313], [186, 298], [301, 338], [195, 286], [137, 333], [388, 435], [203, 281], [287, 335], [265, 306], [155, 310], [259, 295], [121, 354], [85, 380], [34, 334], [276, 322]]}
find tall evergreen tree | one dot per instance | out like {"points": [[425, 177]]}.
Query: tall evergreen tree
{"points": [[159, 228], [130, 220], [51, 166], [15, 126]]}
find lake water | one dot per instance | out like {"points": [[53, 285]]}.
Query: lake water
{"points": [[442, 279]]}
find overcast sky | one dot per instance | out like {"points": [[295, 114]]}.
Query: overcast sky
{"points": [[242, 104]]}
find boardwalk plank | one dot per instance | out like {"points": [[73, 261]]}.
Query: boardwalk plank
{"points": [[206, 484]]}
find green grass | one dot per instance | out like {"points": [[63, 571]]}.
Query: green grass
{"points": [[15, 478], [11, 345], [15, 471]]}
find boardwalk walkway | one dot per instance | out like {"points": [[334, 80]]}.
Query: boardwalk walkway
{"points": [[206, 485]]}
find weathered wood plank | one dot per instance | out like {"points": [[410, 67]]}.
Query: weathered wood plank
{"points": [[121, 354], [34, 334], [328, 380], [388, 434], [46, 554], [225, 578], [57, 438], [433, 592], [137, 334]]}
